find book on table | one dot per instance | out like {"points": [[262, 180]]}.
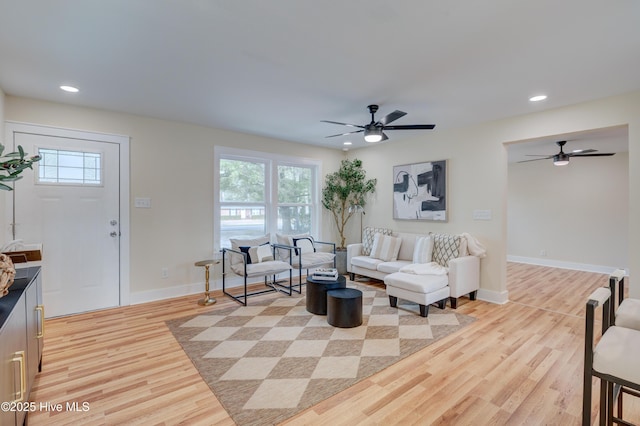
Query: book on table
{"points": [[328, 274]]}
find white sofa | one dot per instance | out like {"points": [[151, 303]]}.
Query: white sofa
{"points": [[462, 277]]}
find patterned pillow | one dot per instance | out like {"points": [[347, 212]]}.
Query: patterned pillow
{"points": [[423, 250], [367, 238], [385, 247], [445, 248]]}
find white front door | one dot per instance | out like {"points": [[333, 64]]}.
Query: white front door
{"points": [[70, 203]]}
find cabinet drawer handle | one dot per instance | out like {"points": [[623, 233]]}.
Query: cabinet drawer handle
{"points": [[40, 334], [19, 358]]}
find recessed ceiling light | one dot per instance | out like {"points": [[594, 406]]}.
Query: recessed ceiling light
{"points": [[346, 143], [70, 89], [538, 98]]}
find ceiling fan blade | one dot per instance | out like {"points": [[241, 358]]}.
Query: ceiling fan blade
{"points": [[535, 159], [603, 154], [342, 124], [539, 155], [393, 116], [344, 134], [411, 127], [584, 151]]}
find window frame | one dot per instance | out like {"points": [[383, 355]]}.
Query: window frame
{"points": [[271, 161]]}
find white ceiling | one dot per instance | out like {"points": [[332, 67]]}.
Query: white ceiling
{"points": [[276, 68]]}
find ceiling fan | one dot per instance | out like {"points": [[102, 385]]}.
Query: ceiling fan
{"points": [[374, 131], [562, 158]]}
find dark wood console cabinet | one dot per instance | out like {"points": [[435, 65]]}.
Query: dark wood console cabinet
{"points": [[21, 343]]}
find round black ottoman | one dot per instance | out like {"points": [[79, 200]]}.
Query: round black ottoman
{"points": [[317, 293], [344, 307]]}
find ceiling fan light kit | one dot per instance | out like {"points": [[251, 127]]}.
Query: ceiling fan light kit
{"points": [[374, 131], [562, 158]]}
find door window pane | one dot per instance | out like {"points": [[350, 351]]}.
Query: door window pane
{"points": [[70, 167]]}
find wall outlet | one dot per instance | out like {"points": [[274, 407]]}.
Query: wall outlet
{"points": [[164, 273], [543, 252], [142, 203]]}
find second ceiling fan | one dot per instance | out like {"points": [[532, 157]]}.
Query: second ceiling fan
{"points": [[562, 158], [374, 131]]}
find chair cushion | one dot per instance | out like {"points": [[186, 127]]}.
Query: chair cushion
{"points": [[385, 247], [417, 283], [366, 262], [287, 240], [628, 314], [305, 244], [368, 234], [236, 243], [311, 260], [261, 269], [617, 352]]}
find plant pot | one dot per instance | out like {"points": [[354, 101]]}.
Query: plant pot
{"points": [[341, 261]]}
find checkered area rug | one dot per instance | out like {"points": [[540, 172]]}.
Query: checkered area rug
{"points": [[272, 359]]}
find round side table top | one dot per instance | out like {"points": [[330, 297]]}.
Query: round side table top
{"points": [[207, 262]]}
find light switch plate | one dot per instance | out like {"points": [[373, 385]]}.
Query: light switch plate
{"points": [[482, 215], [142, 203]]}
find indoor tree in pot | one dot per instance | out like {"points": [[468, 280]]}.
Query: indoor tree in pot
{"points": [[344, 189]]}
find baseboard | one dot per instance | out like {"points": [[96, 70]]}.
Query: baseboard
{"points": [[194, 288], [491, 296], [169, 292], [599, 269]]}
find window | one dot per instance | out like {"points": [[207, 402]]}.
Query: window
{"points": [[69, 167], [259, 193]]}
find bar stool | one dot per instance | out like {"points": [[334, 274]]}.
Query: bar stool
{"points": [[207, 300], [613, 360]]}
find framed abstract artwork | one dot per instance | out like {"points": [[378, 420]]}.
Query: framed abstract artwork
{"points": [[420, 191]]}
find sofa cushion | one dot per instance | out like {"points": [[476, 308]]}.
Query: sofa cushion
{"points": [[366, 262], [445, 248], [385, 247], [391, 267], [423, 250], [367, 238], [417, 283]]}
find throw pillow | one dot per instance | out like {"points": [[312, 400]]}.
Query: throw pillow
{"points": [[367, 238], [236, 243], [445, 248], [423, 250], [305, 244], [385, 247], [287, 240], [261, 253]]}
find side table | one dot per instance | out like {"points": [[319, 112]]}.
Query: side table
{"points": [[207, 300], [317, 293]]}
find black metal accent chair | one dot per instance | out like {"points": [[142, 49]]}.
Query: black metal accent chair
{"points": [[310, 255], [238, 262], [613, 360]]}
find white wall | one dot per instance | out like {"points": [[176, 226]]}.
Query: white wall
{"points": [[171, 163], [576, 214], [477, 175]]}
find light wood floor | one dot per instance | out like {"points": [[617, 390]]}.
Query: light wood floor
{"points": [[519, 363]]}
